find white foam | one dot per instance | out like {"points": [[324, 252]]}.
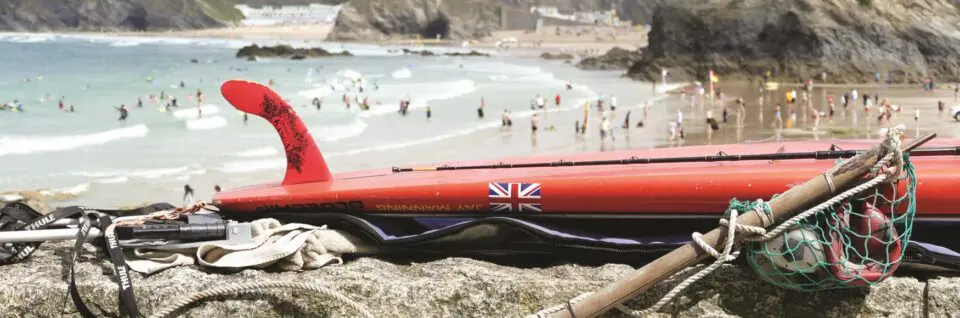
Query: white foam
{"points": [[126, 43], [157, 173], [429, 92], [206, 123], [191, 112], [74, 190], [402, 73], [9, 197], [10, 144], [257, 152], [253, 165], [338, 132], [120, 179]]}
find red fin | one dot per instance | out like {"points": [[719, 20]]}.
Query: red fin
{"points": [[305, 164]]}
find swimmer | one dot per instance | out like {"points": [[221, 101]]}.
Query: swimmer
{"points": [[123, 113]]}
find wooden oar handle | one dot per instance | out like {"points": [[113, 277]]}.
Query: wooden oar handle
{"points": [[784, 206]]}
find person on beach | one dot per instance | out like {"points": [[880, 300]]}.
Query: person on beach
{"points": [[600, 103], [199, 97], [714, 125], [604, 127], [724, 114], [216, 188], [626, 121], [534, 121], [867, 103], [853, 96], [940, 107], [613, 102], [480, 109], [60, 103], [916, 114], [741, 112], [777, 118], [245, 118], [844, 100], [672, 129], [187, 194], [576, 127], [956, 91], [557, 99], [123, 113], [646, 114], [346, 100], [831, 106], [540, 102], [429, 112]]}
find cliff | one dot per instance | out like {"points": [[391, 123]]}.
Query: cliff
{"points": [[851, 40], [386, 19], [137, 15], [371, 20]]}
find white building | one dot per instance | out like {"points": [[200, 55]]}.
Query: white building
{"points": [[288, 15]]}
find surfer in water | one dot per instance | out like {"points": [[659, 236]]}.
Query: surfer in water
{"points": [[429, 113], [317, 102], [139, 102], [123, 113], [245, 118], [173, 102], [187, 194], [480, 109], [182, 84], [199, 97], [163, 95]]}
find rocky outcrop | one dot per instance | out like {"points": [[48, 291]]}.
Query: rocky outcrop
{"points": [[255, 51], [851, 40], [453, 287], [557, 56], [431, 53], [392, 19], [146, 15], [615, 59]]}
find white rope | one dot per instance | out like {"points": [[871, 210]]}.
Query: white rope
{"points": [[894, 157], [242, 288]]}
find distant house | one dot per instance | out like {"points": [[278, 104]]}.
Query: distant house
{"points": [[288, 15]]}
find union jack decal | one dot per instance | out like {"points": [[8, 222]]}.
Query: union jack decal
{"points": [[514, 197]]}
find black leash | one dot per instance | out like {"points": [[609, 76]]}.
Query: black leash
{"points": [[21, 217]]}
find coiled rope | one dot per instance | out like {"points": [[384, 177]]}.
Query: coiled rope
{"points": [[253, 287], [894, 157]]}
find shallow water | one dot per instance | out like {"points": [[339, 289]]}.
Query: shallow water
{"points": [[151, 155]]}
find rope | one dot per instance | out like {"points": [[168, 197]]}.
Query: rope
{"points": [[893, 157], [250, 287]]}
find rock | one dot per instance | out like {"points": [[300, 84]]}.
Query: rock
{"points": [[850, 40], [371, 20], [431, 53], [557, 56], [250, 52], [141, 15], [615, 59], [452, 287]]}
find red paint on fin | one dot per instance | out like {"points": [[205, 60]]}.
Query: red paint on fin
{"points": [[305, 164]]}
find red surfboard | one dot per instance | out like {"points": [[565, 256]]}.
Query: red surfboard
{"points": [[586, 185]]}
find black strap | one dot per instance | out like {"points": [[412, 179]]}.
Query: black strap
{"points": [[82, 234], [121, 273], [20, 212]]}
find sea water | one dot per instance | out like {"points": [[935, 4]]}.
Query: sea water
{"points": [[151, 155]]}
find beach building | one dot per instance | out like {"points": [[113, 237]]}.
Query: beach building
{"points": [[288, 15]]}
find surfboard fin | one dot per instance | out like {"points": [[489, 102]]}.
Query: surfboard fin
{"points": [[305, 164]]}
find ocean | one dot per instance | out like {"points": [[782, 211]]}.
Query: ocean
{"points": [[150, 156]]}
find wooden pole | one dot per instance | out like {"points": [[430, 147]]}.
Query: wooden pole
{"points": [[784, 206]]}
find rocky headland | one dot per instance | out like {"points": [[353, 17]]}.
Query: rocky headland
{"points": [[615, 59], [254, 51], [850, 40]]}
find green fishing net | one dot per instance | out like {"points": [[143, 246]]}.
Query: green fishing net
{"points": [[855, 243]]}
